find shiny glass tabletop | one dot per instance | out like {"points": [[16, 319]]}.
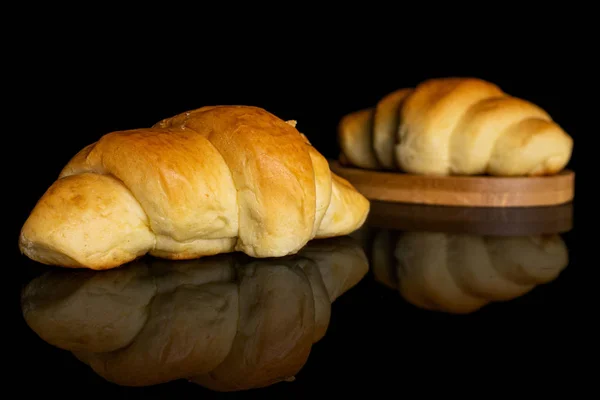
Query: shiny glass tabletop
{"points": [[420, 293]]}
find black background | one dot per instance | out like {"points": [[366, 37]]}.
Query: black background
{"points": [[75, 100], [71, 90]]}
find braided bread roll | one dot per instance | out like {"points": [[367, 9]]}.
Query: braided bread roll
{"points": [[209, 181], [461, 273], [455, 126], [226, 322]]}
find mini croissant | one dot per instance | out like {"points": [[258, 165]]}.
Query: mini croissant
{"points": [[209, 181], [455, 126]]}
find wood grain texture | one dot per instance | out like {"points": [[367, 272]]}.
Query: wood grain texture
{"points": [[466, 191]]}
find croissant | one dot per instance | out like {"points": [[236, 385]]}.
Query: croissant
{"points": [[226, 322], [454, 126], [461, 273], [208, 181]]}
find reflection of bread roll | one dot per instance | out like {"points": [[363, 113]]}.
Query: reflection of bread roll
{"points": [[79, 310], [172, 275], [321, 297], [472, 267], [460, 273], [274, 332], [424, 276], [227, 322], [175, 320], [342, 263], [384, 243], [530, 260]]}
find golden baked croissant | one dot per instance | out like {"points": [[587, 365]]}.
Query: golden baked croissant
{"points": [[455, 126], [460, 273], [227, 322], [209, 181]]}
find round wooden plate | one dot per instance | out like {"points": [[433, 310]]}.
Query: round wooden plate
{"points": [[466, 191]]}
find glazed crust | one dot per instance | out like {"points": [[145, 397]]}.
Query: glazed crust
{"points": [[204, 182], [457, 126]]}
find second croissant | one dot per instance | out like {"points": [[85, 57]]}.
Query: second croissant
{"points": [[455, 126]]}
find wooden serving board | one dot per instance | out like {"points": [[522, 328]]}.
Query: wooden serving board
{"points": [[466, 191]]}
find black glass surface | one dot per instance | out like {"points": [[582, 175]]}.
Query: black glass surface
{"points": [[427, 301], [420, 293]]}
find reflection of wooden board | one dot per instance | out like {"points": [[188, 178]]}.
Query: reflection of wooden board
{"points": [[514, 221], [468, 191]]}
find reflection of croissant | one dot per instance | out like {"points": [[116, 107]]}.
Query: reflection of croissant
{"points": [[455, 126], [225, 322], [209, 181], [460, 273]]}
